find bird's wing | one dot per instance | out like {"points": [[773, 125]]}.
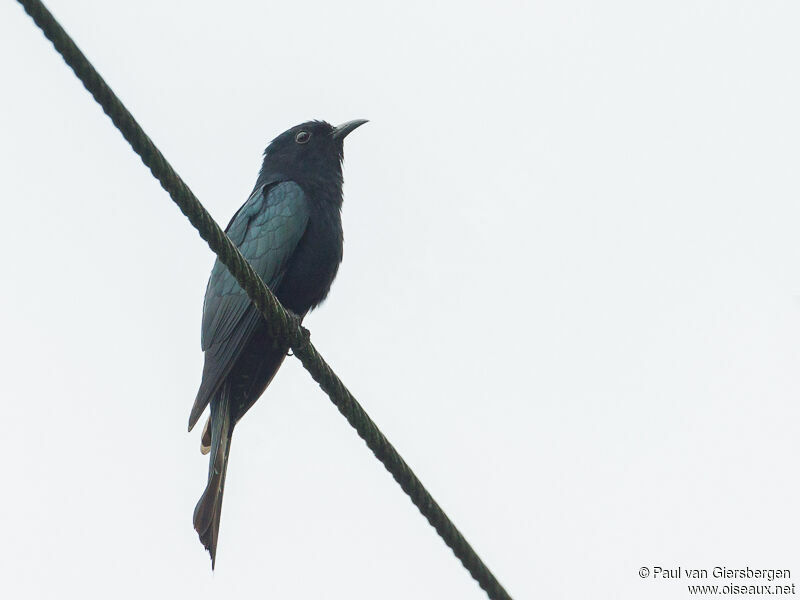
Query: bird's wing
{"points": [[266, 229]]}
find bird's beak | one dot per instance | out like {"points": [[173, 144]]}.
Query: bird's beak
{"points": [[340, 132]]}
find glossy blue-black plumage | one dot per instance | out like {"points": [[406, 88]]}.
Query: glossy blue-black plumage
{"points": [[290, 231], [267, 230]]}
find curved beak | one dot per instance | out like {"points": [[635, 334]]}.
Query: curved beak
{"points": [[340, 132]]}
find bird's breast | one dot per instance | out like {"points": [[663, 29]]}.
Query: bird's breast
{"points": [[313, 266]]}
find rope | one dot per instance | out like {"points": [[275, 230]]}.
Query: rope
{"points": [[283, 325]]}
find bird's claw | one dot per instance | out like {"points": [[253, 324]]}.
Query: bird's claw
{"points": [[298, 320]]}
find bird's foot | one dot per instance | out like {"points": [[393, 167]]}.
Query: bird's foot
{"points": [[298, 320], [294, 316]]}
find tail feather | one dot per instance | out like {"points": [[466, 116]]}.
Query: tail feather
{"points": [[205, 439], [209, 507]]}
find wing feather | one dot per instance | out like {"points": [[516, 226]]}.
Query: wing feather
{"points": [[266, 229]]}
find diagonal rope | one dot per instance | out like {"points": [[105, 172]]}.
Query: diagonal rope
{"points": [[284, 326]]}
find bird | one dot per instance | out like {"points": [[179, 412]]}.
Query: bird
{"points": [[290, 231]]}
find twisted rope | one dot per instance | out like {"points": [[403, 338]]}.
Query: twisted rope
{"points": [[284, 326]]}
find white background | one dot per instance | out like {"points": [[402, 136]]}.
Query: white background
{"points": [[570, 297]]}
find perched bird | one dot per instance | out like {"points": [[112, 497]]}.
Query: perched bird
{"points": [[290, 230]]}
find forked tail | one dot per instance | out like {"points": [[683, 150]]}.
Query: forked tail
{"points": [[209, 507]]}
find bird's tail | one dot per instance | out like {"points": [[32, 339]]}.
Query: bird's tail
{"points": [[209, 507]]}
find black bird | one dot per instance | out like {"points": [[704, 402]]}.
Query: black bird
{"points": [[290, 230]]}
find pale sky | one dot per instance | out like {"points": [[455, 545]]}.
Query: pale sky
{"points": [[570, 297]]}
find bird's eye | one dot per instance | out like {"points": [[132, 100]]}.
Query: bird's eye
{"points": [[302, 137]]}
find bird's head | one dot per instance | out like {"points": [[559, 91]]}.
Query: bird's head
{"points": [[308, 153]]}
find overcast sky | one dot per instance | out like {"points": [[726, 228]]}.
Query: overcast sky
{"points": [[570, 297]]}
